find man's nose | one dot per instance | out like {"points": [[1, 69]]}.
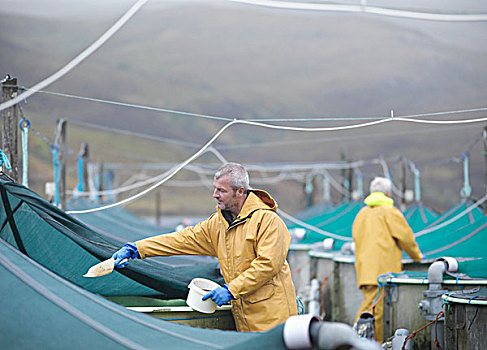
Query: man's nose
{"points": [[215, 194]]}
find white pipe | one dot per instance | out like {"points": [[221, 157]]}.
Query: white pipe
{"points": [[403, 280], [463, 301]]}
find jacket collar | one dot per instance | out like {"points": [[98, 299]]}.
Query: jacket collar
{"points": [[378, 199], [256, 200]]}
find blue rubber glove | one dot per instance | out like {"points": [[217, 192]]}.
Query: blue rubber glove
{"points": [[219, 295], [128, 251]]}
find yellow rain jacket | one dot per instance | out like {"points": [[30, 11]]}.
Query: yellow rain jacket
{"points": [[252, 253], [381, 232]]}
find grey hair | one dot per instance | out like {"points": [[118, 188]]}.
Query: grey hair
{"points": [[238, 175], [380, 184]]}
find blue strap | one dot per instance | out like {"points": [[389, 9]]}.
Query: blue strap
{"points": [[24, 125], [300, 305], [80, 173], [55, 163], [474, 316], [4, 159]]}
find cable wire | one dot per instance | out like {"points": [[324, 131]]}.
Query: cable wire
{"points": [[463, 17], [175, 170]]}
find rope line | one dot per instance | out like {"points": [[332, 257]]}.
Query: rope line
{"points": [[132, 133], [435, 321], [78, 59], [332, 139], [463, 17], [175, 170], [313, 228], [228, 119], [131, 105], [171, 173]]}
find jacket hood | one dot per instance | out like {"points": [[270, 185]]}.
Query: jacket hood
{"points": [[257, 199], [378, 198]]}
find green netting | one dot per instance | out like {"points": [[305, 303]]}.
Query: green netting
{"points": [[128, 226], [313, 211], [68, 247], [457, 209], [41, 310], [467, 244], [418, 216], [337, 220]]}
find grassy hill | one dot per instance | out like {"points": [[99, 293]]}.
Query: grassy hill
{"points": [[229, 60]]}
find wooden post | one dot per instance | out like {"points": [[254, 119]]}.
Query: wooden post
{"points": [[350, 182], [158, 208], [308, 189], [63, 160], [345, 184], [100, 181], [403, 182], [10, 129]]}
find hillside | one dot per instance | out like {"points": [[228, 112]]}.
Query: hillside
{"points": [[229, 60]]}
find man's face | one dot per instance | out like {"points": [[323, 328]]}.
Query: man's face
{"points": [[226, 197]]}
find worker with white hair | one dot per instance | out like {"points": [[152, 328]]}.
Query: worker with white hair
{"points": [[380, 233]]}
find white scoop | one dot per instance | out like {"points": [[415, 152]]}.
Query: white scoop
{"points": [[104, 268]]}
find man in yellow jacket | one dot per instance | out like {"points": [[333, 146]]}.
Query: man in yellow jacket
{"points": [[251, 243], [380, 233]]}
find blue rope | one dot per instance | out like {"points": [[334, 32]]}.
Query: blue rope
{"points": [[474, 316], [24, 125], [80, 173], [55, 163], [300, 305], [4, 159]]}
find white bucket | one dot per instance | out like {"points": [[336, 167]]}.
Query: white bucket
{"points": [[198, 288]]}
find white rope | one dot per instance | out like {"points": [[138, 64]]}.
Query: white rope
{"points": [[312, 228], [424, 121], [171, 173], [78, 59], [366, 9], [455, 218], [175, 170]]}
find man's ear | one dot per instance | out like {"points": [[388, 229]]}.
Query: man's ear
{"points": [[241, 191]]}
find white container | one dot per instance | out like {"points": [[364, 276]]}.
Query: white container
{"points": [[198, 288]]}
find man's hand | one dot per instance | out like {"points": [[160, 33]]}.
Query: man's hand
{"points": [[128, 251], [219, 295]]}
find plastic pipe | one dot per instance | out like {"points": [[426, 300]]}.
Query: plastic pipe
{"points": [[435, 274]]}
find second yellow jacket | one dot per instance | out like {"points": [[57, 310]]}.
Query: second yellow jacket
{"points": [[380, 233]]}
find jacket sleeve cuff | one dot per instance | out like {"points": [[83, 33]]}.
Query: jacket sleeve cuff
{"points": [[232, 291], [140, 249]]}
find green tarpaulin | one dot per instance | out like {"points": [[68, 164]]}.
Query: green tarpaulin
{"points": [[41, 310], [68, 247]]}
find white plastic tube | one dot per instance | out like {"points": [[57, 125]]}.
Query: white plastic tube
{"points": [[296, 331]]}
